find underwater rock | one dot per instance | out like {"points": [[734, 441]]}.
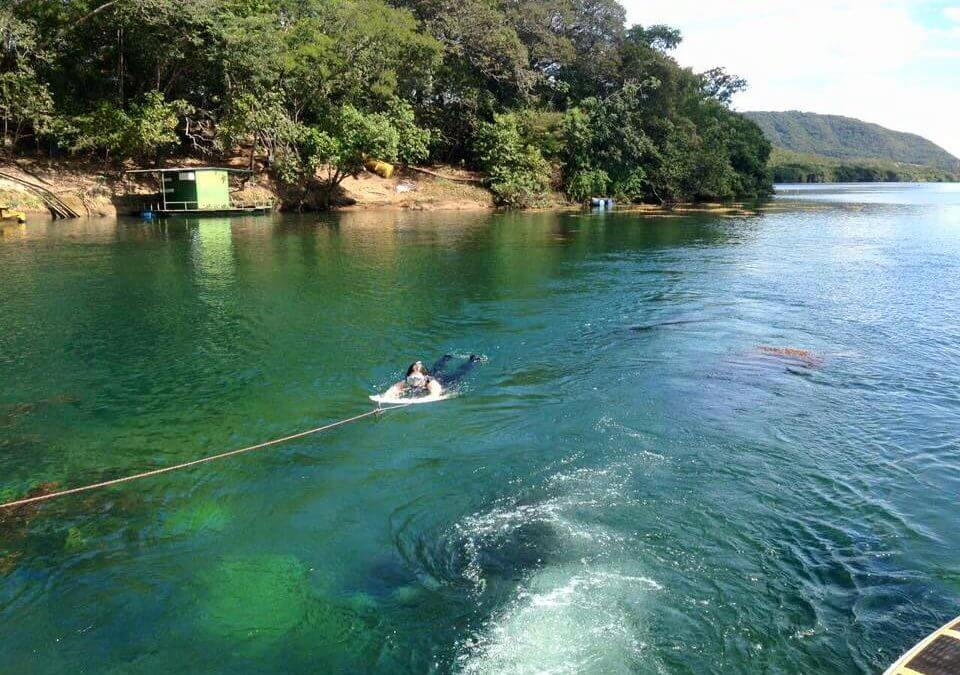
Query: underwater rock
{"points": [[14, 525], [14, 520], [362, 602], [259, 604], [407, 595], [8, 562], [262, 597], [10, 414], [643, 328], [199, 517], [75, 540], [803, 356]]}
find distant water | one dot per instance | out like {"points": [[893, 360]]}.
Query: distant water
{"points": [[697, 444]]}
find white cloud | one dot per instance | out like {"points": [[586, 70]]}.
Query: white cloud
{"points": [[872, 61], [952, 13]]}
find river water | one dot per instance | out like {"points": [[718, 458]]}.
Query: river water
{"points": [[695, 444]]}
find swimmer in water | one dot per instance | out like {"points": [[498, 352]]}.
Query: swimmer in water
{"points": [[422, 383], [418, 383]]}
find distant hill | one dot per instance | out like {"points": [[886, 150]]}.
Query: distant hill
{"points": [[812, 148], [795, 167], [848, 138]]}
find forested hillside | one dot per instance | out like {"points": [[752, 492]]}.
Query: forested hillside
{"points": [[848, 138], [540, 94], [796, 167]]}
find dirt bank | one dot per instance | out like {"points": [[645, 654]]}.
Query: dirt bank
{"points": [[107, 190], [444, 188]]}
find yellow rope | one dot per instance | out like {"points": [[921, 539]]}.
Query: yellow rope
{"points": [[202, 460]]}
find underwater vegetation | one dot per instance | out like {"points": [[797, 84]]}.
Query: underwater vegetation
{"points": [[8, 562], [14, 525], [75, 540], [11, 414], [257, 601], [202, 516], [262, 597]]}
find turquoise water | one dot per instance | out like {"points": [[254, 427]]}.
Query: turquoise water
{"points": [[696, 444]]}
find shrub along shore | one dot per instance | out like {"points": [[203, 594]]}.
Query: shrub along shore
{"points": [[544, 97]]}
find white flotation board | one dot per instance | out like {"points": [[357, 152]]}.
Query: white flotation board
{"points": [[382, 399]]}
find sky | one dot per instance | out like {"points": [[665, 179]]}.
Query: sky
{"points": [[892, 62]]}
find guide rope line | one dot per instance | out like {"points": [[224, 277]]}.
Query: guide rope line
{"points": [[154, 472]]}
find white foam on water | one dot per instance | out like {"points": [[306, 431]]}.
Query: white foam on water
{"points": [[582, 613], [571, 492], [564, 619], [614, 428]]}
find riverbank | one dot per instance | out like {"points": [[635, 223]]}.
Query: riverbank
{"points": [[106, 190]]}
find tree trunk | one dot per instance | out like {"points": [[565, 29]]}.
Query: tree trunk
{"points": [[120, 64], [17, 136]]}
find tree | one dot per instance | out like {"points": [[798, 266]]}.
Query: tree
{"points": [[102, 129], [260, 122], [606, 138], [152, 125], [540, 93], [659, 37], [148, 128], [26, 107], [586, 183], [749, 151], [26, 104], [413, 142], [120, 51], [319, 55], [718, 84], [340, 149], [518, 174]]}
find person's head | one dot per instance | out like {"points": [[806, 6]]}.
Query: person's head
{"points": [[417, 374]]}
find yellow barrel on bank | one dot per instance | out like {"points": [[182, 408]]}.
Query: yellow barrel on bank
{"points": [[6, 213], [382, 169], [936, 654]]}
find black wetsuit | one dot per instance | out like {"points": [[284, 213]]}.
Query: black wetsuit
{"points": [[448, 380]]}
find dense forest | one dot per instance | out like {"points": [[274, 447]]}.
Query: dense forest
{"points": [[828, 148], [796, 167], [541, 95]]}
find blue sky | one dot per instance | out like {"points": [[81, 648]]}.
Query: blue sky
{"points": [[893, 62]]}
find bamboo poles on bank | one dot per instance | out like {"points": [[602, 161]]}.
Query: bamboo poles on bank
{"points": [[58, 208]]}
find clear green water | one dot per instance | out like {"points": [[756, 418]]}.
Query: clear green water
{"points": [[631, 482]]}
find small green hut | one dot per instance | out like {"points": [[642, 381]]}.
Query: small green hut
{"points": [[196, 190]]}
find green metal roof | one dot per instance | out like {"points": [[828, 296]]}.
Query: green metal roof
{"points": [[190, 168]]}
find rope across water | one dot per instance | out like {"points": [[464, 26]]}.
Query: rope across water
{"points": [[153, 472]]}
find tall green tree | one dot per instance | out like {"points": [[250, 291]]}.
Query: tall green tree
{"points": [[541, 94]]}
